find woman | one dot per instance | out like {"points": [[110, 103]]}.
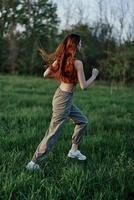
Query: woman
{"points": [[68, 71]]}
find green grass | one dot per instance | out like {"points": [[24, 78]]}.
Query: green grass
{"points": [[25, 113]]}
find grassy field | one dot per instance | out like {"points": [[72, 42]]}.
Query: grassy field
{"points": [[25, 113]]}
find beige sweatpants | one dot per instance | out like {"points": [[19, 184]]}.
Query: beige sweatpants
{"points": [[62, 109]]}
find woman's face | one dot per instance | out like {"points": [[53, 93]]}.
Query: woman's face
{"points": [[79, 46]]}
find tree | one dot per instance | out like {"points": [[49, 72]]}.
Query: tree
{"points": [[40, 24]]}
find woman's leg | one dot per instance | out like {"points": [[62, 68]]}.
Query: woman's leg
{"points": [[50, 137], [61, 105], [80, 121]]}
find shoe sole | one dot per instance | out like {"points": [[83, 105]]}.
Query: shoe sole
{"points": [[76, 157]]}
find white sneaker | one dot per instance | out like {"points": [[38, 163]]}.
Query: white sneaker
{"points": [[32, 166], [76, 154]]}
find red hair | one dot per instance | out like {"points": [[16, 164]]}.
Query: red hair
{"points": [[64, 56]]}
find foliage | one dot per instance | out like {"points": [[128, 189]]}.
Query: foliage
{"points": [[39, 22], [27, 25]]}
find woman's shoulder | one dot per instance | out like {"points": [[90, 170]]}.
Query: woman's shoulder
{"points": [[78, 63]]}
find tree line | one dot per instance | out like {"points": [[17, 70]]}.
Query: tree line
{"points": [[27, 25]]}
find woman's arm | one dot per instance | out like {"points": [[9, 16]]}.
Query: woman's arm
{"points": [[81, 76], [48, 73]]}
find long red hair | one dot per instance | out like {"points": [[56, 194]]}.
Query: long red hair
{"points": [[64, 56]]}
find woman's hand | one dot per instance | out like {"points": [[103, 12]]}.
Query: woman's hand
{"points": [[95, 72]]}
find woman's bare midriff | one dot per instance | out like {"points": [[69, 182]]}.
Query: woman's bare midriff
{"points": [[67, 87]]}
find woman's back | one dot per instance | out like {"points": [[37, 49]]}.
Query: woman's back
{"points": [[66, 86]]}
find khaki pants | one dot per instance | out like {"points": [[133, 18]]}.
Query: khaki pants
{"points": [[62, 109]]}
